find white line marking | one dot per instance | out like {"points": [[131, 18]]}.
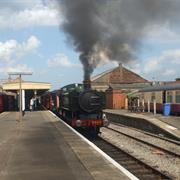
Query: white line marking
{"points": [[171, 127], [117, 165]]}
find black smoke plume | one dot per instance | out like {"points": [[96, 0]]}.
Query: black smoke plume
{"points": [[113, 29]]}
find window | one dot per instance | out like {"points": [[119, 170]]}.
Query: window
{"points": [[153, 97], [169, 97], [177, 96]]}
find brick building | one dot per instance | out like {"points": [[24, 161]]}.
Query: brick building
{"points": [[117, 84], [118, 76]]}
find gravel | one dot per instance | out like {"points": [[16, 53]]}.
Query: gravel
{"points": [[158, 159], [145, 137]]}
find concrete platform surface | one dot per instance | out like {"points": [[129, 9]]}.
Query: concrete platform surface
{"points": [[42, 148], [171, 120], [168, 125]]}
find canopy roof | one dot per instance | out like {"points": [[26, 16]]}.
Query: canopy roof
{"points": [[26, 85]]}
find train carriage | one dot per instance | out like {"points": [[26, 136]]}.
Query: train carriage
{"points": [[50, 101], [162, 94], [1, 102], [7, 102]]}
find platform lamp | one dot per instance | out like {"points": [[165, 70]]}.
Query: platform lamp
{"points": [[20, 74]]}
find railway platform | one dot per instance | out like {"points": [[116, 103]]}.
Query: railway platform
{"points": [[168, 126], [41, 146]]}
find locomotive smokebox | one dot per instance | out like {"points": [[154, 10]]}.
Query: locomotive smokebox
{"points": [[87, 84]]}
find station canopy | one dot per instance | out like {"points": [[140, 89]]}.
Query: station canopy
{"points": [[26, 85]]}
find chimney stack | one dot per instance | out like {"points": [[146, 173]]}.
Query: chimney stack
{"points": [[120, 65], [87, 84]]}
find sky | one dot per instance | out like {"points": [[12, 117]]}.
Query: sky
{"points": [[32, 40]]}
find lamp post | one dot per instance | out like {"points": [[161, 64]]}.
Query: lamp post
{"points": [[20, 89]]}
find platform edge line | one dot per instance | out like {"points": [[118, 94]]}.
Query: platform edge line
{"points": [[107, 157]]}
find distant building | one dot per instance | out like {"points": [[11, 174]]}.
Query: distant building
{"points": [[177, 81]]}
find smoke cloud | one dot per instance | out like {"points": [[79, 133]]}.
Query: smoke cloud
{"points": [[113, 29]]}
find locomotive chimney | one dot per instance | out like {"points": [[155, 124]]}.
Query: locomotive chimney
{"points": [[87, 84]]}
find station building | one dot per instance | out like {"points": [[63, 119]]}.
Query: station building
{"points": [[29, 90], [118, 83]]}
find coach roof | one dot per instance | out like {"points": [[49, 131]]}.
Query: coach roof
{"points": [[161, 88]]}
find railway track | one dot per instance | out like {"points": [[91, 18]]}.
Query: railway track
{"points": [[156, 146], [134, 165]]}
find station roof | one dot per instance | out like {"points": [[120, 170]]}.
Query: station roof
{"points": [[119, 75], [162, 88], [129, 86], [26, 85]]}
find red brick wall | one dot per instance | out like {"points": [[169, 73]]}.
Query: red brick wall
{"points": [[115, 99]]}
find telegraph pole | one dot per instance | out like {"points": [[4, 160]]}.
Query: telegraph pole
{"points": [[20, 89]]}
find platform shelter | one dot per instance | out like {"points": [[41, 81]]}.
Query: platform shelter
{"points": [[29, 90]]}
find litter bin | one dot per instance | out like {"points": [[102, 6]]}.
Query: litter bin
{"points": [[166, 109]]}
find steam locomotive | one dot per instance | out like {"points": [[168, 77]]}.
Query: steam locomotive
{"points": [[79, 105]]}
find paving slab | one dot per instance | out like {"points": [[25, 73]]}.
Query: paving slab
{"points": [[30, 150], [40, 147]]}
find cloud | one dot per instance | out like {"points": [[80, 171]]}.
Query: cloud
{"points": [[163, 67], [32, 43], [135, 66], [171, 55], [169, 72], [168, 59], [17, 68], [12, 50], [162, 33], [151, 65], [19, 4], [17, 15], [61, 60], [7, 49]]}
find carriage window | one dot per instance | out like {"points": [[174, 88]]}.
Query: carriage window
{"points": [[178, 97], [153, 97], [169, 97]]}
